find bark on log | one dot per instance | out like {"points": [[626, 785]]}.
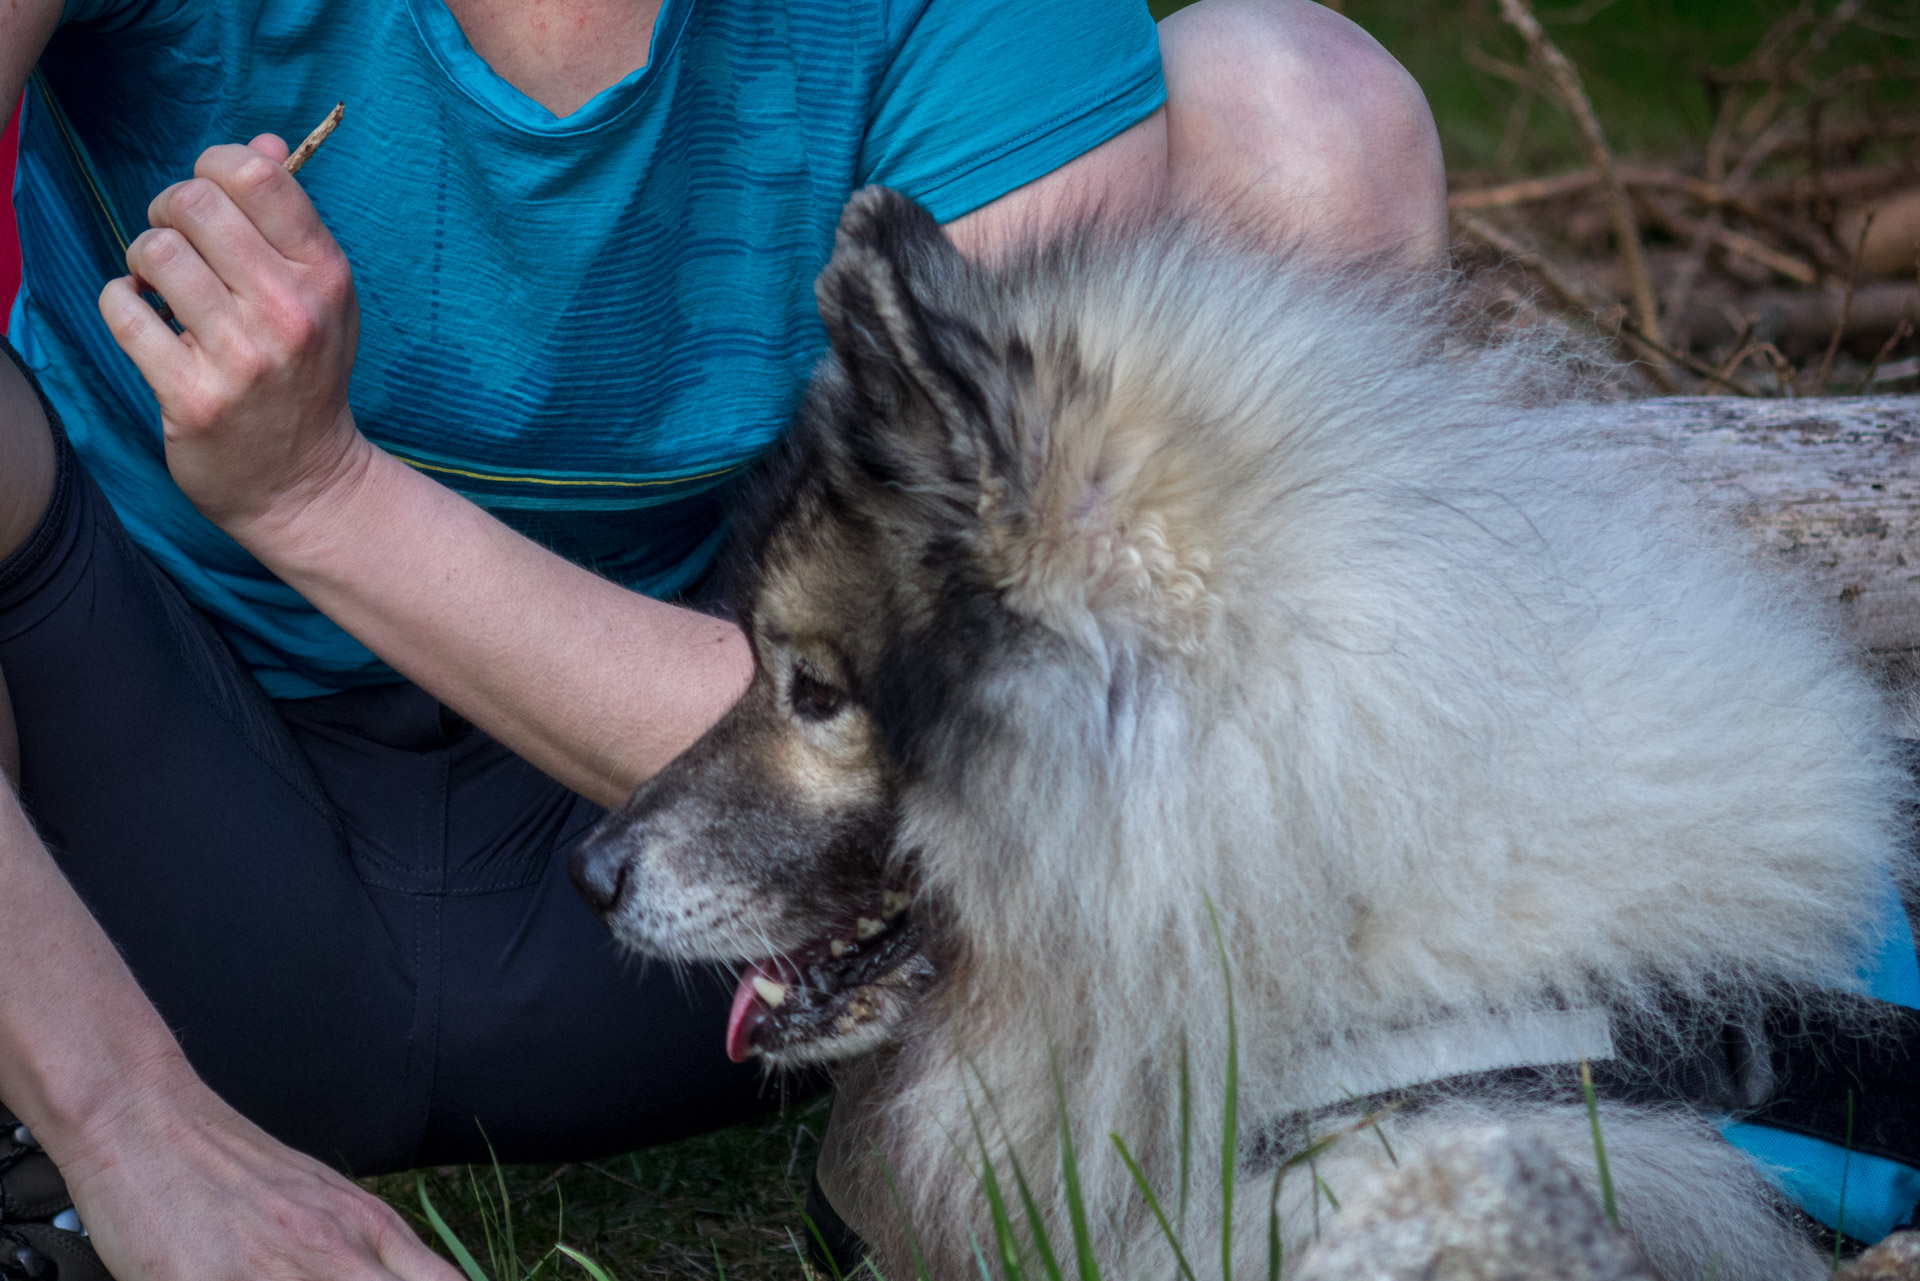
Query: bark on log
{"points": [[1831, 485]]}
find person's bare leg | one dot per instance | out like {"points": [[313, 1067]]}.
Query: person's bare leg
{"points": [[26, 483], [1284, 108], [26, 459]]}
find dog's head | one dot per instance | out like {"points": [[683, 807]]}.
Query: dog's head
{"points": [[916, 589]]}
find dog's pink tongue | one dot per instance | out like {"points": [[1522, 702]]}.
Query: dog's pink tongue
{"points": [[747, 1014]]}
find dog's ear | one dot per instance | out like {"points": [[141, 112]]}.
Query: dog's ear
{"points": [[885, 298]]}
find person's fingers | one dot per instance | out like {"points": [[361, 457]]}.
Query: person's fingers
{"points": [[172, 267], [148, 340], [407, 1257], [271, 197], [225, 238], [272, 146]]}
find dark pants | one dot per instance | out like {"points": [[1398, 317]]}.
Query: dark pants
{"points": [[353, 910]]}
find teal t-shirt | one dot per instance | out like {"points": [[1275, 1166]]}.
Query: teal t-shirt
{"points": [[589, 324]]}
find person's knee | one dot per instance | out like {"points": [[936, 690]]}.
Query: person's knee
{"points": [[1285, 108], [26, 459]]}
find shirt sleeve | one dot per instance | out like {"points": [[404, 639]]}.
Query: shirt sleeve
{"points": [[119, 14], [979, 97]]}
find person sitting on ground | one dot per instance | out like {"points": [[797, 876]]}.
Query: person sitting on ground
{"points": [[332, 615]]}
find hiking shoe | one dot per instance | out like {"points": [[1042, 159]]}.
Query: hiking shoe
{"points": [[41, 1238]]}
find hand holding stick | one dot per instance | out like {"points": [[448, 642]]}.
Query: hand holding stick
{"points": [[301, 154]]}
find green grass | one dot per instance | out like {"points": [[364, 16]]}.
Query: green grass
{"points": [[670, 1211]]}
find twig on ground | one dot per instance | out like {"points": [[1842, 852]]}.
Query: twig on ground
{"points": [[1784, 374], [1685, 360], [1567, 80], [1846, 307], [1573, 291], [1742, 348], [1900, 332]]}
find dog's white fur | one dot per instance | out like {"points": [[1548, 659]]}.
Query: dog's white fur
{"points": [[1440, 705]]}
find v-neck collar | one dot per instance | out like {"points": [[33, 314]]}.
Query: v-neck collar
{"points": [[440, 31]]}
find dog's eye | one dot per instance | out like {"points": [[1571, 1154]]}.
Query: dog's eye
{"points": [[813, 699]]}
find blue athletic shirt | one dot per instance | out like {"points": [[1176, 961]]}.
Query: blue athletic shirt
{"points": [[588, 325]]}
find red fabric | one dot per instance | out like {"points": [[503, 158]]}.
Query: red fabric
{"points": [[9, 237]]}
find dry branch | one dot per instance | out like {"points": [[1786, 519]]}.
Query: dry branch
{"points": [[311, 143], [1625, 229]]}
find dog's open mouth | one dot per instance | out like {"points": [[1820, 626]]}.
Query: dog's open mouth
{"points": [[848, 979]]}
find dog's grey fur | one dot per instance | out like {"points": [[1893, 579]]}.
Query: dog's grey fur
{"points": [[1142, 578]]}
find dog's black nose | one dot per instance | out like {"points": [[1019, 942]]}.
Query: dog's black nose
{"points": [[599, 871]]}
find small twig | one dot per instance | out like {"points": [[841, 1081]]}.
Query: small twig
{"points": [[1515, 131], [304, 152], [1574, 292], [1784, 374], [1567, 80], [1685, 360], [1742, 348], [1524, 192], [1900, 332], [1846, 308], [622, 1180]]}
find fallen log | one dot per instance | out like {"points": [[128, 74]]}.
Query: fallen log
{"points": [[1832, 486]]}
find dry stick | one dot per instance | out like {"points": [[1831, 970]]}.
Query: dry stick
{"points": [[1578, 295], [1784, 376], [1900, 331], [1573, 292], [1686, 360], [1742, 348], [301, 154], [1567, 80], [1846, 308], [304, 152]]}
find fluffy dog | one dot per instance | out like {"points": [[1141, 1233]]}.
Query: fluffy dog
{"points": [[1143, 583]]}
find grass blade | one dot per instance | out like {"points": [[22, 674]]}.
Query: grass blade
{"points": [[455, 1246], [979, 1255], [906, 1222], [813, 1229], [1276, 1248], [1153, 1204], [1070, 1173], [1230, 1109], [592, 1269], [1044, 1247], [1186, 1132], [1599, 1146], [1009, 1245]]}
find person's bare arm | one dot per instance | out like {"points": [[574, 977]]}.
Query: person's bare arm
{"points": [[596, 685]]}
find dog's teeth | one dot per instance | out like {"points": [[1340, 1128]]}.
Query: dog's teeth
{"points": [[769, 991], [838, 947], [866, 927], [894, 902]]}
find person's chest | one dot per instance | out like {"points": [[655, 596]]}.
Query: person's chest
{"points": [[560, 53]]}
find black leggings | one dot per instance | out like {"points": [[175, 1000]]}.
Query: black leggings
{"points": [[353, 910]]}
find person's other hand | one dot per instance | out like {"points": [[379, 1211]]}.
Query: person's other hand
{"points": [[253, 391], [186, 1189]]}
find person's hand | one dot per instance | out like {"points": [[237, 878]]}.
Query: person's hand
{"points": [[253, 391], [183, 1188]]}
